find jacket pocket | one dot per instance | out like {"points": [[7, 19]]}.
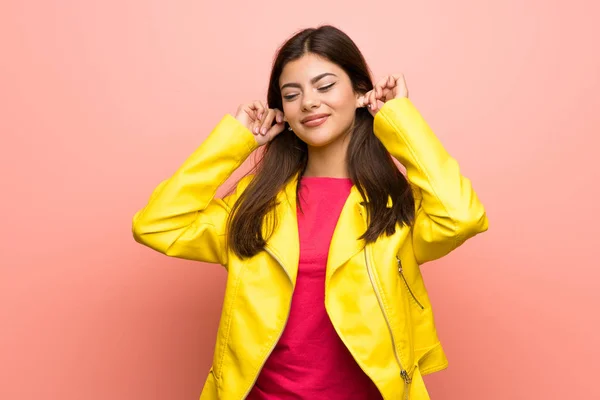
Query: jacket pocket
{"points": [[411, 293]]}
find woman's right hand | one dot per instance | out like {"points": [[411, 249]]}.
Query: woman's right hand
{"points": [[263, 122]]}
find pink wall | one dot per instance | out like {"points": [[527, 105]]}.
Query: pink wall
{"points": [[101, 100]]}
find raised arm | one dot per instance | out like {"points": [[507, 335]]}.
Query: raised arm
{"points": [[183, 218], [448, 211]]}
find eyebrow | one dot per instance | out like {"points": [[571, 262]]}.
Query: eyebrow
{"points": [[313, 80]]}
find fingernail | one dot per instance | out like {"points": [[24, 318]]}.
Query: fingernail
{"points": [[279, 119], [263, 130], [255, 130]]}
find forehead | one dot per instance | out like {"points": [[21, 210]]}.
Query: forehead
{"points": [[307, 67]]}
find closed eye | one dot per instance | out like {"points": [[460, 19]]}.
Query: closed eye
{"points": [[323, 88], [326, 87]]}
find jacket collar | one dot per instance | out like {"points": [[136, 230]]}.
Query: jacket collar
{"points": [[284, 242]]}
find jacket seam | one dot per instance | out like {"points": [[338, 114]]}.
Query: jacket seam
{"points": [[264, 353], [229, 319], [434, 369], [196, 214]]}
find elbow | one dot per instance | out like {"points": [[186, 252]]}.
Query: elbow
{"points": [[471, 222], [139, 229], [146, 236], [154, 235], [138, 234]]}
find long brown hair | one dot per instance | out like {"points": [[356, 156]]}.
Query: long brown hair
{"points": [[370, 166]]}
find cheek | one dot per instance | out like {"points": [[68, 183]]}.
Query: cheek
{"points": [[290, 111], [345, 106], [343, 101]]}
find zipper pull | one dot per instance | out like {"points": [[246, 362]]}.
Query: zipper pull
{"points": [[407, 382], [399, 264], [405, 377]]}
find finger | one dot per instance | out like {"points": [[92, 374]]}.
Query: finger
{"points": [[250, 109], [380, 85], [367, 100], [402, 79], [368, 103], [386, 84], [275, 130], [391, 82], [361, 100], [260, 110], [279, 116], [397, 83], [256, 126], [399, 79], [251, 113], [373, 100], [267, 122], [388, 94]]}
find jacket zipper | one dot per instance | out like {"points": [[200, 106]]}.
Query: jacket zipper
{"points": [[403, 374], [406, 283], [280, 333]]}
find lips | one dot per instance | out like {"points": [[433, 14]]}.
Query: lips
{"points": [[315, 120]]}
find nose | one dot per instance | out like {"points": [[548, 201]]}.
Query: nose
{"points": [[310, 102]]}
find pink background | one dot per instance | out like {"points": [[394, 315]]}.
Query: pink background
{"points": [[100, 101]]}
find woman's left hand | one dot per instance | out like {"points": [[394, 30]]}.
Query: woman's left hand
{"points": [[388, 88]]}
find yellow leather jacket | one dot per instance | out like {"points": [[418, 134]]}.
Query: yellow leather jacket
{"points": [[375, 294]]}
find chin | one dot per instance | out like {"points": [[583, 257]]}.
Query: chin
{"points": [[316, 138]]}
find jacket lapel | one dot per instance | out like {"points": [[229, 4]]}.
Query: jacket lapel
{"points": [[284, 242], [345, 242]]}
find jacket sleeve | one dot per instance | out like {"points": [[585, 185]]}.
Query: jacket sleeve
{"points": [[182, 218], [448, 211]]}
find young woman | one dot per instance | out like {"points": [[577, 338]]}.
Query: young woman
{"points": [[324, 240]]}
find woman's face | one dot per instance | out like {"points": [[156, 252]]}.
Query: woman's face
{"points": [[318, 100]]}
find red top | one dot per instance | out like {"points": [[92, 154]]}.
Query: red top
{"points": [[310, 361]]}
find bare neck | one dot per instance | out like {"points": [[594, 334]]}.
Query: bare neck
{"points": [[329, 160]]}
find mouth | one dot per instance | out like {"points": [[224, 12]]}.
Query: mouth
{"points": [[315, 120]]}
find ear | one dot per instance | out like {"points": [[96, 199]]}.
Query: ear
{"points": [[359, 100]]}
